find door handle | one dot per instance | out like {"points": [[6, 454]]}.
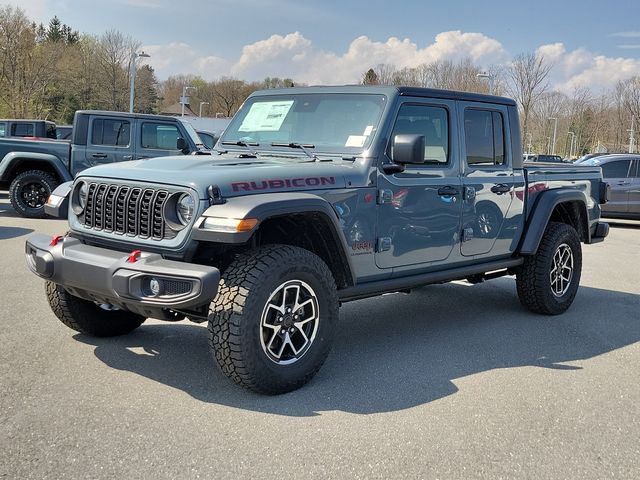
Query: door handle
{"points": [[501, 188], [623, 183], [127, 157], [447, 191], [99, 155]]}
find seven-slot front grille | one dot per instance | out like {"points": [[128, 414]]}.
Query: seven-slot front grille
{"points": [[133, 211]]}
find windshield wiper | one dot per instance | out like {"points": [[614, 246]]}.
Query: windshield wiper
{"points": [[300, 146], [247, 145]]}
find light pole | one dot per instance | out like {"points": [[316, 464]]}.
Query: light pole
{"points": [[132, 75], [632, 134], [573, 136], [183, 100], [489, 77], [555, 129], [201, 104]]}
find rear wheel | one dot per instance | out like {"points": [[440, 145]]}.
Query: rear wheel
{"points": [[272, 322], [29, 192], [548, 281], [86, 317]]}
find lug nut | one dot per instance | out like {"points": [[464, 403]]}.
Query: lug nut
{"points": [[283, 331], [291, 330]]}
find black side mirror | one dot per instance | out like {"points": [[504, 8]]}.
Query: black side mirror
{"points": [[408, 148], [181, 144]]}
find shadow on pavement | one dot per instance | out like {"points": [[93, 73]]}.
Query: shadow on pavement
{"points": [[13, 232], [396, 352]]}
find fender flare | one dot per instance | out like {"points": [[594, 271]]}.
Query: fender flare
{"points": [[11, 160], [267, 206], [537, 222]]}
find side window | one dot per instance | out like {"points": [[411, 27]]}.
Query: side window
{"points": [[160, 136], [618, 169], [484, 137], [107, 131], [635, 172], [433, 123], [3, 129], [51, 130], [22, 130]]}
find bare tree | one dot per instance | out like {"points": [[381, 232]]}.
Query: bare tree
{"points": [[114, 56], [527, 81]]}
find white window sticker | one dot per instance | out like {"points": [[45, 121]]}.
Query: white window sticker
{"points": [[355, 141], [368, 130], [266, 116]]}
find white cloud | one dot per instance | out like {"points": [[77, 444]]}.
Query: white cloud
{"points": [[626, 34], [295, 56], [36, 10]]}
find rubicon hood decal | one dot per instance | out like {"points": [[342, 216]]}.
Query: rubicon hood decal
{"points": [[274, 184]]}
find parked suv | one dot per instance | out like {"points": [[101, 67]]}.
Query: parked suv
{"points": [[622, 173]]}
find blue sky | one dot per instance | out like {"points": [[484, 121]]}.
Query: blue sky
{"points": [[592, 43]]}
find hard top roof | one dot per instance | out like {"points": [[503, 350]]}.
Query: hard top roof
{"points": [[391, 91]]}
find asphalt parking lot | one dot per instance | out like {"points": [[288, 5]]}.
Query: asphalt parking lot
{"points": [[451, 381]]}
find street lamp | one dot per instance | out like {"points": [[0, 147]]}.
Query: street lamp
{"points": [[183, 100], [573, 136], [132, 75], [201, 104], [489, 77], [555, 129]]}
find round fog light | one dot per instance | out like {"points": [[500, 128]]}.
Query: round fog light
{"points": [[155, 287]]}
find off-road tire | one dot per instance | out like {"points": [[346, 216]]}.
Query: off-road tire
{"points": [[533, 278], [235, 317], [45, 180], [86, 317]]}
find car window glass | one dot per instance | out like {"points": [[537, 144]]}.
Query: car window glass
{"points": [[3, 129], [617, 169], [635, 172], [22, 130], [111, 132], [51, 130], [433, 123], [484, 137], [159, 136]]}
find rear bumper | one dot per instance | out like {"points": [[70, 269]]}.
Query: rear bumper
{"points": [[106, 276]]}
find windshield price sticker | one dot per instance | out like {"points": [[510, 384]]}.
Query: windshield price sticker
{"points": [[266, 116], [355, 141]]}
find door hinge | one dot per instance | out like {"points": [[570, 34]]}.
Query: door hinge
{"points": [[384, 196], [384, 244]]}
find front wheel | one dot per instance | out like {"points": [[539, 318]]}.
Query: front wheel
{"points": [[86, 317], [548, 281], [272, 322]]}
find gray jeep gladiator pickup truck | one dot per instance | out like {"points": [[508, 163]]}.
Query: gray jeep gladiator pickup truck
{"points": [[33, 168], [317, 196]]}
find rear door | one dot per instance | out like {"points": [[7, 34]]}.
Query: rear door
{"points": [[617, 174], [487, 178], [108, 141], [157, 139]]}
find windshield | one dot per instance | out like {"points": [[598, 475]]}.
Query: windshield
{"points": [[192, 133], [327, 122]]}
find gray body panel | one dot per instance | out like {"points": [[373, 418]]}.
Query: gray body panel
{"points": [[390, 225]]}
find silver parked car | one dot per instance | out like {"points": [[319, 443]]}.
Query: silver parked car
{"points": [[622, 173]]}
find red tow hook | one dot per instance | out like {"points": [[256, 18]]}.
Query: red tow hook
{"points": [[134, 256], [56, 239]]}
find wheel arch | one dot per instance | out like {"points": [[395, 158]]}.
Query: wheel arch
{"points": [[14, 163], [567, 206], [298, 219]]}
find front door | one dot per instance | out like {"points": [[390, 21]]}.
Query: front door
{"points": [[487, 179], [419, 208], [634, 191]]}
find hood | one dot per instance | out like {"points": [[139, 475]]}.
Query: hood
{"points": [[234, 176]]}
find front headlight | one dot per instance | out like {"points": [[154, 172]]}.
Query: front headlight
{"points": [[79, 198], [185, 208]]}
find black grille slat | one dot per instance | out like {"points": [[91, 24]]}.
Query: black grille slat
{"points": [[125, 210]]}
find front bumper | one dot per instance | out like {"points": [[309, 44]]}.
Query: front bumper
{"points": [[107, 276]]}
